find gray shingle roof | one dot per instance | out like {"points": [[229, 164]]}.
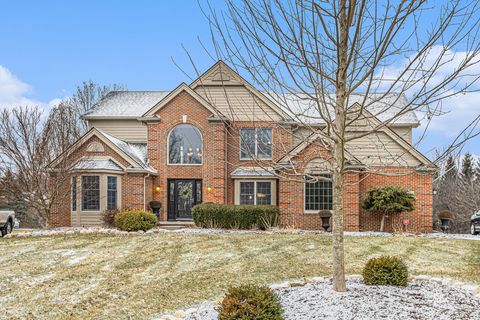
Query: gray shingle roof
{"points": [[97, 165], [136, 151], [126, 103], [252, 172], [303, 109], [299, 106]]}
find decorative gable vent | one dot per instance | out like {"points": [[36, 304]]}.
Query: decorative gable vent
{"points": [[95, 147]]}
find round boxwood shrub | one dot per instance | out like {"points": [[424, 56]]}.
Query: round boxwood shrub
{"points": [[135, 220], [250, 302], [385, 270]]}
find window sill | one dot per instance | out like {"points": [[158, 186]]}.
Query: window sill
{"points": [[255, 159], [315, 211]]}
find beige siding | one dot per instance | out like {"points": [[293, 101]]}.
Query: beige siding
{"points": [[378, 149], [300, 135], [404, 132], [129, 130], [237, 103]]}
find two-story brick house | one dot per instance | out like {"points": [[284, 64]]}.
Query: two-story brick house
{"points": [[221, 140]]}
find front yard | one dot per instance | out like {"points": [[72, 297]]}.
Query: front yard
{"points": [[142, 276]]}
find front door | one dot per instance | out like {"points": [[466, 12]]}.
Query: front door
{"points": [[183, 194]]}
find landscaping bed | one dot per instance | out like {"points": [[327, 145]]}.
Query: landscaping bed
{"points": [[424, 299], [88, 274]]}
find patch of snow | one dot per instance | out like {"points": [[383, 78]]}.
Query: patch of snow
{"points": [[40, 279], [69, 253], [76, 260], [451, 236]]}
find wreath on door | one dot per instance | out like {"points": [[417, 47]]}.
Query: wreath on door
{"points": [[185, 192]]}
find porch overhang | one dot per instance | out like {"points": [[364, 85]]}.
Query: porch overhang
{"points": [[253, 172]]}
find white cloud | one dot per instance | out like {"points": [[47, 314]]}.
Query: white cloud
{"points": [[14, 92], [458, 112], [452, 114]]}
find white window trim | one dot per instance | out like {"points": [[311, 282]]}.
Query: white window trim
{"points": [[168, 147], [273, 190], [305, 195], [255, 156]]}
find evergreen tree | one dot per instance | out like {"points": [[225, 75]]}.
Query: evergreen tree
{"points": [[477, 171], [451, 172], [467, 167]]}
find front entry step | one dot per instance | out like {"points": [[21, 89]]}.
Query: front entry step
{"points": [[175, 225]]}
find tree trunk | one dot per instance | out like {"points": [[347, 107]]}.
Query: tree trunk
{"points": [[339, 283], [382, 223], [337, 222]]}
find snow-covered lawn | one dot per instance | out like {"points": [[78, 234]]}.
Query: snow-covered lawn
{"points": [[142, 276]]}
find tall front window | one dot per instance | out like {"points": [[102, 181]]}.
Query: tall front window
{"points": [[91, 193], [185, 145], [319, 194], [256, 143], [111, 193], [259, 192], [74, 193]]}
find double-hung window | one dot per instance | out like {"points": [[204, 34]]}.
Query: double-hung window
{"points": [[256, 192], [319, 193], [74, 193], [111, 193], [90, 193], [255, 143]]}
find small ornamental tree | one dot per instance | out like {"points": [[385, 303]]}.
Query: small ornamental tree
{"points": [[389, 200]]}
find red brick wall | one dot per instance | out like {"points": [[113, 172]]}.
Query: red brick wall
{"points": [[212, 170], [281, 144], [421, 184], [356, 184]]}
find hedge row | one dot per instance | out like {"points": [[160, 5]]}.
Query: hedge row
{"points": [[227, 216]]}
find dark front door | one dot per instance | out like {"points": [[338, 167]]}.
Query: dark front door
{"points": [[183, 194]]}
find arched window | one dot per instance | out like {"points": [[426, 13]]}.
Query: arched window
{"points": [[185, 145]]}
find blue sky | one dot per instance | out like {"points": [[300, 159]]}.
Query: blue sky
{"points": [[48, 47]]}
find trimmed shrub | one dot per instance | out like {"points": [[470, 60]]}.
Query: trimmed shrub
{"points": [[108, 217], [385, 270], [250, 302], [209, 215], [135, 220], [389, 200]]}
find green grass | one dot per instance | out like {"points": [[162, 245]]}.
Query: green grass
{"points": [[142, 276]]}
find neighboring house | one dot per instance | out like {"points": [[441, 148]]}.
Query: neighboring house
{"points": [[196, 144]]}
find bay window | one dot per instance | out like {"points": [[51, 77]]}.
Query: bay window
{"points": [[74, 193], [111, 193], [90, 193]]}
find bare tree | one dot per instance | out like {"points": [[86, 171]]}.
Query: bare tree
{"points": [[330, 54], [24, 150], [31, 139], [86, 96]]}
